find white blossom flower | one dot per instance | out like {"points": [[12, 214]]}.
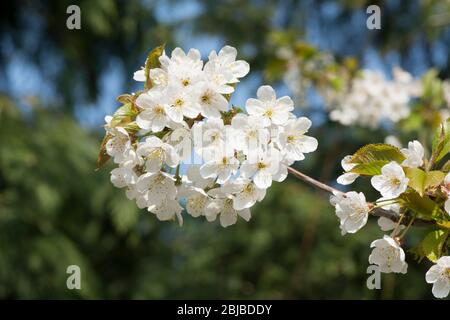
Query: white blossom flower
{"points": [[154, 116], [209, 101], [209, 137], [388, 255], [157, 187], [197, 202], [351, 209], [392, 182], [245, 193], [439, 276], [262, 170], [294, 140], [249, 133], [181, 140], [156, 153], [119, 145], [223, 166], [184, 76], [271, 109], [194, 178], [347, 177], [131, 159], [227, 214], [180, 103], [168, 209], [179, 59], [180, 69], [226, 64], [414, 154], [122, 177], [370, 100]]}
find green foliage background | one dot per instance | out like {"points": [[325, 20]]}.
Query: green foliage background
{"points": [[55, 210]]}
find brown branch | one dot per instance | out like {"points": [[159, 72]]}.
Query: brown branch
{"points": [[312, 181], [377, 212]]}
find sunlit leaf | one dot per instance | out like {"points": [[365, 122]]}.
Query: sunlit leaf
{"points": [[423, 206], [420, 180], [432, 244], [372, 157], [151, 63]]}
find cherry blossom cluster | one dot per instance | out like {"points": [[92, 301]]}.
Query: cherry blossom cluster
{"points": [[395, 184], [183, 146], [371, 99]]}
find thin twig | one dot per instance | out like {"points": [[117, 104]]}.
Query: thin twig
{"points": [[377, 212], [312, 181]]}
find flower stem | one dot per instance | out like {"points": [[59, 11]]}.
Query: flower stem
{"points": [[177, 176], [407, 227]]}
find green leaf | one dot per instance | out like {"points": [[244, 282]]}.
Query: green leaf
{"points": [[432, 245], [125, 98], [423, 206], [377, 152], [124, 115], [369, 169], [152, 62], [416, 178], [420, 180], [441, 141], [446, 166], [372, 157], [433, 179]]}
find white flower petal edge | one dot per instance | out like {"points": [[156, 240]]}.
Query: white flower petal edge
{"points": [[439, 276], [392, 182], [388, 255], [351, 209], [414, 154], [348, 177]]}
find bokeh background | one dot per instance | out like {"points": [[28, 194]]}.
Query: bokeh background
{"points": [[56, 85]]}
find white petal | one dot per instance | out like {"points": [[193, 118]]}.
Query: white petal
{"points": [[245, 214], [433, 274], [441, 288], [266, 93], [347, 178], [263, 180]]}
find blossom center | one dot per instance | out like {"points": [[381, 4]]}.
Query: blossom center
{"points": [[179, 102], [159, 110], [248, 188], [446, 273], [269, 113], [261, 165], [395, 181], [206, 98]]}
